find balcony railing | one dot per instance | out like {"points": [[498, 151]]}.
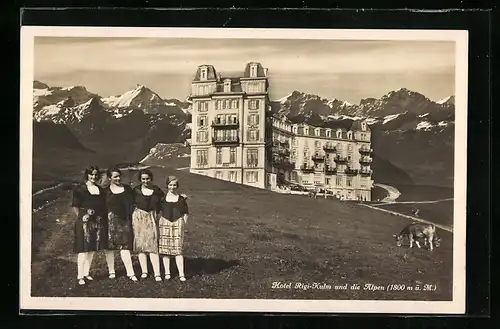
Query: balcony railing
{"points": [[318, 157], [349, 171], [340, 159], [281, 151], [225, 124], [307, 169], [330, 170], [365, 160], [330, 148], [366, 172], [225, 141], [285, 164], [365, 149]]}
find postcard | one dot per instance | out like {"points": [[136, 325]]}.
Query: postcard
{"points": [[243, 170]]}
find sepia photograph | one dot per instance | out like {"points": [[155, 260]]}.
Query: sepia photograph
{"points": [[276, 170]]}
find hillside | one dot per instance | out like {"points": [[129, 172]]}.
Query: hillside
{"points": [[240, 240]]}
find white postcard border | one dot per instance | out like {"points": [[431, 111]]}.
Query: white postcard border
{"points": [[456, 306]]}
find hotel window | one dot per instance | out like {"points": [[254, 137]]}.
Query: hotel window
{"points": [[349, 135], [252, 176], [232, 155], [363, 136], [306, 131], [202, 158], [202, 121], [316, 131], [328, 181], [253, 71], [252, 157], [218, 174], [253, 119], [203, 74], [232, 176], [349, 181], [202, 136], [218, 157], [253, 135], [234, 104], [339, 134], [254, 104], [339, 180], [227, 86], [202, 106], [328, 133]]}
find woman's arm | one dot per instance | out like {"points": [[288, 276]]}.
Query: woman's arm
{"points": [[75, 210]]}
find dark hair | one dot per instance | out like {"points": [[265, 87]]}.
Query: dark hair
{"points": [[144, 171], [112, 170], [89, 170]]}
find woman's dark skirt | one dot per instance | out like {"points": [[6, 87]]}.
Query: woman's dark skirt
{"points": [[91, 231], [120, 235]]}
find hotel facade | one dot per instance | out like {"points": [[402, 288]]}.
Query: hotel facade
{"points": [[236, 137]]}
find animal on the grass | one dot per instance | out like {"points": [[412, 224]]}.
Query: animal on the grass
{"points": [[416, 231]]}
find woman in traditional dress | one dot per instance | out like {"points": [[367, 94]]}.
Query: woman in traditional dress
{"points": [[91, 225], [147, 198], [173, 218], [120, 205]]}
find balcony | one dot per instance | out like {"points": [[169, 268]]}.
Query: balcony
{"points": [[225, 141], [283, 164], [351, 172], [318, 158], [329, 148], [340, 159], [365, 172], [225, 124], [281, 151], [307, 169], [365, 150], [330, 170], [365, 160]]}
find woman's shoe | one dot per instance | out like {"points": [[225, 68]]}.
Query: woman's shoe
{"points": [[112, 275], [133, 278], [182, 278], [167, 276], [81, 281], [144, 275], [157, 278], [88, 277]]}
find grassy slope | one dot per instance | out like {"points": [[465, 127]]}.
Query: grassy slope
{"points": [[242, 239]]}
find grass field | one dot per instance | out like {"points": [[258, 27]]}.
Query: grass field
{"points": [[240, 240]]}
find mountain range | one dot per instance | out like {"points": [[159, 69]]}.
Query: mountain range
{"points": [[412, 135]]}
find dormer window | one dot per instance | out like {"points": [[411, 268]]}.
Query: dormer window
{"points": [[339, 133], [349, 135], [306, 131], [316, 131], [203, 75], [328, 133], [253, 71], [227, 86], [363, 125]]}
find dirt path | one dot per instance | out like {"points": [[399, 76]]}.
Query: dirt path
{"points": [[447, 228], [393, 192], [413, 202]]}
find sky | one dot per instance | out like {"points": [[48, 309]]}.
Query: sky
{"points": [[348, 70]]}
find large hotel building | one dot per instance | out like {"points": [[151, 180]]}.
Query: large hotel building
{"points": [[236, 137]]}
